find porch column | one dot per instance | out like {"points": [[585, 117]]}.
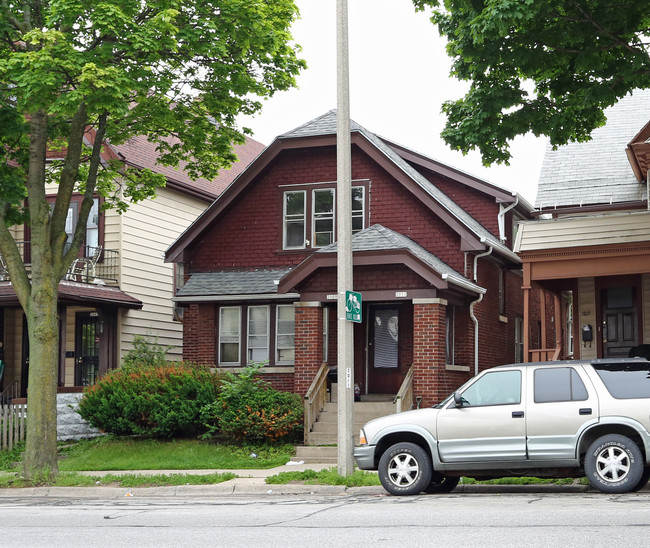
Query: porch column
{"points": [[309, 344], [526, 327], [429, 328]]}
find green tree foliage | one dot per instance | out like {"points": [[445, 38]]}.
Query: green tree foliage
{"points": [[546, 66], [77, 73], [158, 401]]}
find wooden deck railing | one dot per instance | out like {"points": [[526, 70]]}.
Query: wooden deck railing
{"points": [[315, 399], [12, 425], [404, 399], [545, 354]]}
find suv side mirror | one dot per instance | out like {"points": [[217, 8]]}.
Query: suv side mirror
{"points": [[458, 399]]}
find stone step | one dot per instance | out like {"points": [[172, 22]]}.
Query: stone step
{"points": [[331, 427], [379, 408], [313, 454]]}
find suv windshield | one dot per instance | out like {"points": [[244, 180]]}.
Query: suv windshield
{"points": [[625, 381]]}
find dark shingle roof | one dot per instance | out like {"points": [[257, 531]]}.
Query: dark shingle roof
{"points": [[239, 282], [380, 238], [598, 171]]}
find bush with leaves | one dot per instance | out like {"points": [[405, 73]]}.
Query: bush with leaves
{"points": [[160, 401], [248, 409]]}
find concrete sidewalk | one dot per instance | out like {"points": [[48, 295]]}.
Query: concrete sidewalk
{"points": [[252, 483]]}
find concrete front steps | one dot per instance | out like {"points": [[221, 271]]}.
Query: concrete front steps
{"points": [[322, 440]]}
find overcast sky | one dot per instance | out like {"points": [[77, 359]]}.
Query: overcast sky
{"points": [[399, 78]]}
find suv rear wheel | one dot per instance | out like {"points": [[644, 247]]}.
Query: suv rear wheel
{"points": [[405, 469], [614, 464]]}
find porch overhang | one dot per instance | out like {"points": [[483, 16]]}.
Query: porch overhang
{"points": [[71, 293]]}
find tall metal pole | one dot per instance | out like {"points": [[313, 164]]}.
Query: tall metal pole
{"points": [[344, 254]]}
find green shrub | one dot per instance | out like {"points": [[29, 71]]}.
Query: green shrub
{"points": [[146, 352], [248, 409], [161, 401]]}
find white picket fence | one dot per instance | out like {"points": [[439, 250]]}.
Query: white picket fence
{"points": [[12, 425]]}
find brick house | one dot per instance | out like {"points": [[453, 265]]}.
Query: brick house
{"points": [[432, 260], [591, 244]]}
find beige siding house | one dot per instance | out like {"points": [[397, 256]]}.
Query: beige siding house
{"points": [[591, 244], [120, 286]]}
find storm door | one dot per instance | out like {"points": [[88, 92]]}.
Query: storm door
{"points": [[619, 322], [385, 370], [87, 338]]}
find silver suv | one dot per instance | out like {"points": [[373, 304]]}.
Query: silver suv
{"points": [[552, 419]]}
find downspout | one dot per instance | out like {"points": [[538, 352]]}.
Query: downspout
{"points": [[501, 217], [471, 307], [647, 184]]}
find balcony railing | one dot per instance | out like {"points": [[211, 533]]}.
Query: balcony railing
{"points": [[95, 265]]}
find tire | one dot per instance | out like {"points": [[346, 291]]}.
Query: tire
{"points": [[441, 483], [644, 479], [614, 464], [405, 469]]}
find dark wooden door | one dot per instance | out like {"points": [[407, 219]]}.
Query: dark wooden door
{"points": [[385, 370], [620, 331]]}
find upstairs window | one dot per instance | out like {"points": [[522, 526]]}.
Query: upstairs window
{"points": [[309, 217]]}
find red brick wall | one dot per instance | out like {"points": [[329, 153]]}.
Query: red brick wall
{"points": [[309, 346], [199, 334], [429, 353]]}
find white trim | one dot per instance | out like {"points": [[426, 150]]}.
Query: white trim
{"points": [[226, 298]]}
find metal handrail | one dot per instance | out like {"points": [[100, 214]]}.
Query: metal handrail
{"points": [[405, 393], [315, 398]]}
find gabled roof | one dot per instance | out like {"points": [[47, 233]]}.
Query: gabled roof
{"points": [[139, 152], [598, 171], [322, 132], [380, 245]]}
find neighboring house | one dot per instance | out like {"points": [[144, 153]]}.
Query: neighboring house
{"points": [[120, 286], [595, 247], [432, 260]]}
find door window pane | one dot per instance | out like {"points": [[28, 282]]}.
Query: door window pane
{"points": [[559, 384], [498, 388]]}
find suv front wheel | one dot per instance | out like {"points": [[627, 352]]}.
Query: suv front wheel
{"points": [[405, 469], [614, 464]]}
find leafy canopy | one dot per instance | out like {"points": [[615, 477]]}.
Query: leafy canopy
{"points": [[177, 71], [546, 66]]}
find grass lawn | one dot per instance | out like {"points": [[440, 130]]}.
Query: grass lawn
{"points": [[113, 453]]}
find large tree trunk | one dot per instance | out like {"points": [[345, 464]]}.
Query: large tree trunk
{"points": [[40, 459]]}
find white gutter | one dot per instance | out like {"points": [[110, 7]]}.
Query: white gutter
{"points": [[471, 308], [216, 298], [501, 218]]}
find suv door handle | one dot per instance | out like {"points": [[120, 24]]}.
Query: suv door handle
{"points": [[517, 414], [585, 410]]}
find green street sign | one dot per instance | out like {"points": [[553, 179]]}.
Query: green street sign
{"points": [[353, 306]]}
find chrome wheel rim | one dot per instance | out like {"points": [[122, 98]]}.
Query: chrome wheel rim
{"points": [[613, 464], [403, 469]]}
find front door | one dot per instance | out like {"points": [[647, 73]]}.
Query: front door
{"points": [[87, 337], [385, 368], [620, 330]]}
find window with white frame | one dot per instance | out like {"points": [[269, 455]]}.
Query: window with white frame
{"points": [[317, 209], [229, 335], [285, 340], [294, 220], [258, 334], [323, 217]]}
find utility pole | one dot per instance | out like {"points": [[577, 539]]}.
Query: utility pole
{"points": [[345, 345]]}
